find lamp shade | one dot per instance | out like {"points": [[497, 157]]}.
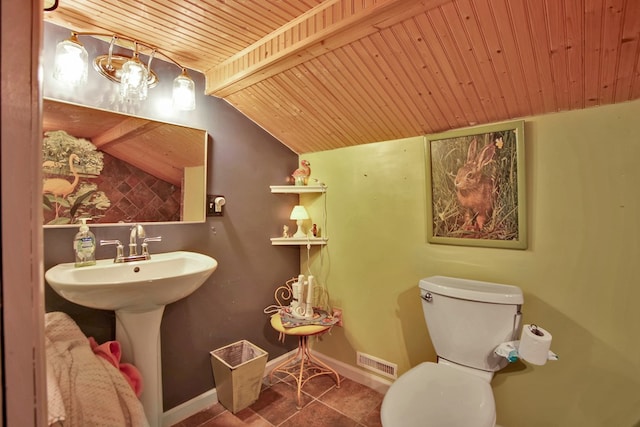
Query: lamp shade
{"points": [[134, 80], [71, 62], [299, 213], [184, 93]]}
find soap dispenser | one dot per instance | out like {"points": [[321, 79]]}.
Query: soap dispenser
{"points": [[84, 245]]}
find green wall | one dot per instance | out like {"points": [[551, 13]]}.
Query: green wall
{"points": [[579, 274]]}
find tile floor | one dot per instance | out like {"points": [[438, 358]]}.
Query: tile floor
{"points": [[323, 405]]}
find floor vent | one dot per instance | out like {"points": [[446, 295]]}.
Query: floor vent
{"points": [[380, 366]]}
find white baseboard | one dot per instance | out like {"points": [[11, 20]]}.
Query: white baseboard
{"points": [[190, 407], [210, 397], [356, 374], [207, 399]]}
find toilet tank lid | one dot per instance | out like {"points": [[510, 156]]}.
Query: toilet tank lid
{"points": [[472, 290]]}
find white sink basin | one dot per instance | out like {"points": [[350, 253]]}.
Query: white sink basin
{"points": [[139, 285]]}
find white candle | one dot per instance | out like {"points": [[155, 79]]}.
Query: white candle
{"points": [[310, 291], [300, 294], [296, 295]]}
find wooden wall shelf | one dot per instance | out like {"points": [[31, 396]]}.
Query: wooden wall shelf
{"points": [[298, 189], [281, 241]]}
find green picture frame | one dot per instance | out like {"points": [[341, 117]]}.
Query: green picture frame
{"points": [[476, 186]]}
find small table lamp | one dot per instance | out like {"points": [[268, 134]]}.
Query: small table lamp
{"points": [[299, 213]]}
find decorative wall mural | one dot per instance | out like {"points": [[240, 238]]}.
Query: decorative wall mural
{"points": [[66, 160]]}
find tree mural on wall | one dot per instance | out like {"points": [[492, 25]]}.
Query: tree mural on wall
{"points": [[65, 195]]}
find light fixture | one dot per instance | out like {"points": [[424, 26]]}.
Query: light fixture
{"points": [[184, 93], [299, 213], [134, 77], [71, 63]]}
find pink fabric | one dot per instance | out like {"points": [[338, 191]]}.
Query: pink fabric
{"points": [[111, 352]]}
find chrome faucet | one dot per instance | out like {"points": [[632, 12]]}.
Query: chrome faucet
{"points": [[136, 231]]}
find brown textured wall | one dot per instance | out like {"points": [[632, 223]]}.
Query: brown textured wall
{"points": [[137, 195], [243, 160]]}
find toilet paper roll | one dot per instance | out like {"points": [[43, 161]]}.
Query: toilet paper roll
{"points": [[535, 344]]}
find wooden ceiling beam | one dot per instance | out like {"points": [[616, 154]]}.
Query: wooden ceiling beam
{"points": [[127, 128], [328, 26]]}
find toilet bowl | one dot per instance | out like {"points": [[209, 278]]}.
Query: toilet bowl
{"points": [[467, 320], [438, 395]]}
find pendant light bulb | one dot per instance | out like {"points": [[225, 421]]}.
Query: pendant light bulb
{"points": [[71, 62], [184, 93], [134, 79]]}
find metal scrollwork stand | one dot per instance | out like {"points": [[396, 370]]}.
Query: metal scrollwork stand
{"points": [[302, 366]]}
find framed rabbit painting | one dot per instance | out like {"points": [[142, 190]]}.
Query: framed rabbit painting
{"points": [[476, 187]]}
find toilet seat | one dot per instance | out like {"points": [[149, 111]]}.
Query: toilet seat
{"points": [[438, 395]]}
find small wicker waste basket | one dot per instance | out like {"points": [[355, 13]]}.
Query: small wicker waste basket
{"points": [[238, 370]]}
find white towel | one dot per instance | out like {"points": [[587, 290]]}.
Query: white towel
{"points": [[83, 389]]}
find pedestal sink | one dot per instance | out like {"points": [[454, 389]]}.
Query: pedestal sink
{"points": [[138, 292]]}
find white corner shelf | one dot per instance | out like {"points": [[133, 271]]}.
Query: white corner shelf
{"points": [[281, 241], [298, 189]]}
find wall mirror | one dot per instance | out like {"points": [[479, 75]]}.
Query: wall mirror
{"points": [[118, 169]]}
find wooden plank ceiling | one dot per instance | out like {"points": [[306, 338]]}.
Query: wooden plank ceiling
{"points": [[319, 75]]}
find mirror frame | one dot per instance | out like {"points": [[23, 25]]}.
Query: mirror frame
{"points": [[133, 133]]}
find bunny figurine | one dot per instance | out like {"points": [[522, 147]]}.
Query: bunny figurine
{"points": [[475, 190]]}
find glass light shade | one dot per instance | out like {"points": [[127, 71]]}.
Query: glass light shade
{"points": [[299, 212], [134, 80], [71, 62], [184, 93]]}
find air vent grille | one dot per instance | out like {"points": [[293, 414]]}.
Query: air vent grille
{"points": [[377, 365]]}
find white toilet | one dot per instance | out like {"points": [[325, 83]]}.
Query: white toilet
{"points": [[467, 320]]}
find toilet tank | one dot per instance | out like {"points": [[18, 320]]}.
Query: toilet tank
{"points": [[467, 319]]}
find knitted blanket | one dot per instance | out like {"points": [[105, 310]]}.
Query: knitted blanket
{"points": [[82, 388]]}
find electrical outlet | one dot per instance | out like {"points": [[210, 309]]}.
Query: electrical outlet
{"points": [[214, 207], [337, 313]]}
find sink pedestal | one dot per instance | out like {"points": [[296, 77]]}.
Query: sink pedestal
{"points": [[139, 335]]}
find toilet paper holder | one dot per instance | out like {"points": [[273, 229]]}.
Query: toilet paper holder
{"points": [[509, 349], [534, 330]]}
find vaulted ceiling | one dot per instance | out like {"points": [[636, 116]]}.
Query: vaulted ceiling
{"points": [[320, 75]]}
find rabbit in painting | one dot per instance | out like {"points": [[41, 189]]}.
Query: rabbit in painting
{"points": [[475, 190]]}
